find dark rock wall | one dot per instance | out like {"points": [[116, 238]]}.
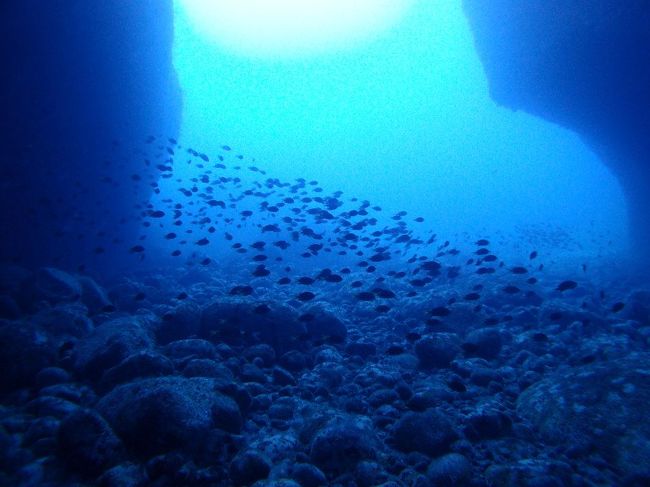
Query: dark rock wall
{"points": [[584, 64], [77, 76]]}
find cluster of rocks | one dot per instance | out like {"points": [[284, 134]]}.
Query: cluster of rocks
{"points": [[205, 391]]}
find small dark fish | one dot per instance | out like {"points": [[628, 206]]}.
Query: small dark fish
{"points": [[333, 278], [419, 282], [241, 291], [566, 285], [482, 242], [382, 308], [261, 271], [356, 284], [540, 337], [182, 296], [531, 280], [170, 236], [206, 261], [365, 296], [175, 253], [137, 249], [472, 297], [270, 228], [262, 309], [440, 311], [485, 270], [139, 297], [259, 258], [511, 289], [305, 296], [431, 266], [281, 244], [519, 270], [533, 255], [412, 336], [306, 281], [384, 293], [306, 317], [284, 280], [618, 307], [203, 241]]}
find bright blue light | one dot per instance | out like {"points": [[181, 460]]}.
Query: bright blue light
{"points": [[403, 119], [290, 28]]}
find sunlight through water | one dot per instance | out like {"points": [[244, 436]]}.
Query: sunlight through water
{"points": [[293, 28]]}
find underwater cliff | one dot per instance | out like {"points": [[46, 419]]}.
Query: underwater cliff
{"points": [[584, 65], [80, 78]]}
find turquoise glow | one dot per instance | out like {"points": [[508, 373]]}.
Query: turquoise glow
{"points": [[404, 120], [292, 28]]}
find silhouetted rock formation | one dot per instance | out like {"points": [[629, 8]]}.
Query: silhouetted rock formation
{"points": [[584, 64], [77, 76]]}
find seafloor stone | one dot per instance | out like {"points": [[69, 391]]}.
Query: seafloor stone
{"points": [[8, 307], [232, 321], [64, 322], [449, 470], [325, 325], [437, 350], [248, 467], [530, 472], [483, 342], [156, 415], [203, 367], [55, 286], [308, 475], [429, 432], [24, 350], [178, 323], [342, 443], [92, 295], [138, 365], [190, 348], [601, 406], [109, 344], [88, 444]]}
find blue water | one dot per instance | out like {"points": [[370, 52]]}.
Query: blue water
{"points": [[405, 120], [348, 268]]}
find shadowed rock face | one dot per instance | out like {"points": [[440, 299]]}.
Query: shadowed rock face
{"points": [[77, 75], [584, 64]]}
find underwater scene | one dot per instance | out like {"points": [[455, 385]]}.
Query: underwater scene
{"points": [[302, 243]]}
